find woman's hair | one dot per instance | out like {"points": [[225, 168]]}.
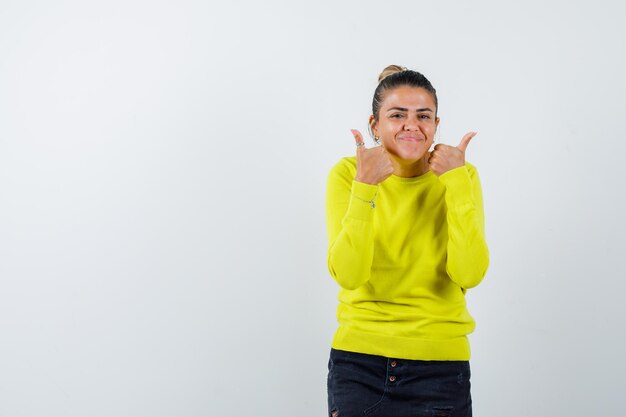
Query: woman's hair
{"points": [[396, 76]]}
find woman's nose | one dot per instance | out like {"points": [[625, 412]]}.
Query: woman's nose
{"points": [[411, 123]]}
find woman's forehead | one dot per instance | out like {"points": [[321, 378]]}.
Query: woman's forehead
{"points": [[411, 98]]}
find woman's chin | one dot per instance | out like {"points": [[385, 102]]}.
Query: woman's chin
{"points": [[411, 155]]}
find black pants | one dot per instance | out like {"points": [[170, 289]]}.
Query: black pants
{"points": [[375, 386]]}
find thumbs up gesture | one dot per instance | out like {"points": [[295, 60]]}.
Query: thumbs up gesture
{"points": [[372, 165], [443, 158]]}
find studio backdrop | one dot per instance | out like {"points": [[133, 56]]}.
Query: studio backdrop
{"points": [[162, 182]]}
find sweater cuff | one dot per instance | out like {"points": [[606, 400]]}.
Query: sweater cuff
{"points": [[361, 196], [459, 189]]}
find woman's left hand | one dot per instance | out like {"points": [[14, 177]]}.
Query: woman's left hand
{"points": [[443, 158]]}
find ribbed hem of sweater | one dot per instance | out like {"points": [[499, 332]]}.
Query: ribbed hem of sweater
{"points": [[351, 340]]}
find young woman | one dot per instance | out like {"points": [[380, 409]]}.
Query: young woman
{"points": [[406, 241]]}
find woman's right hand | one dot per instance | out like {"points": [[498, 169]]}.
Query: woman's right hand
{"points": [[372, 165]]}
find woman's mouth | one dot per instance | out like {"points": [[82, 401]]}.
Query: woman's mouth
{"points": [[411, 138]]}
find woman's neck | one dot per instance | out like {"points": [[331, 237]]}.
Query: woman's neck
{"points": [[406, 169]]}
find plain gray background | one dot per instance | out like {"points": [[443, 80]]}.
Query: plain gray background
{"points": [[162, 179]]}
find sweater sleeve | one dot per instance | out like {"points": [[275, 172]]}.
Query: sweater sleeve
{"points": [[349, 221], [468, 255]]}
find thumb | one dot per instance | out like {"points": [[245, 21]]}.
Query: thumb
{"points": [[360, 143], [466, 140]]}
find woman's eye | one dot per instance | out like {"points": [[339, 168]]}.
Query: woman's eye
{"points": [[424, 116], [397, 115]]}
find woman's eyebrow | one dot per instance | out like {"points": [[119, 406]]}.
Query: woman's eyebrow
{"points": [[405, 109]]}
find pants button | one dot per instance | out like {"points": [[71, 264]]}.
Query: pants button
{"points": [[394, 364], [392, 378]]}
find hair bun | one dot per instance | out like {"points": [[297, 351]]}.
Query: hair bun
{"points": [[390, 69]]}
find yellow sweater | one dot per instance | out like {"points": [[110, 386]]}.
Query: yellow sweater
{"points": [[404, 265]]}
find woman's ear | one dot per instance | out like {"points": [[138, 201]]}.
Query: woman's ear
{"points": [[373, 125], [436, 136]]}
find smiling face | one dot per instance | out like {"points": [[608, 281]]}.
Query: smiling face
{"points": [[406, 123]]}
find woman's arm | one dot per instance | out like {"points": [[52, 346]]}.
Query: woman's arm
{"points": [[468, 255], [349, 220]]}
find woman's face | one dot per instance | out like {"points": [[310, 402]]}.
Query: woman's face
{"points": [[406, 123]]}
